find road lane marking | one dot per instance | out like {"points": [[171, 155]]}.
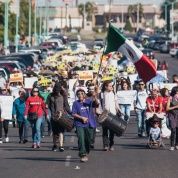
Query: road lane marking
{"points": [[67, 162]]}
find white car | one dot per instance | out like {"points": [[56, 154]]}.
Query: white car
{"points": [[78, 47], [173, 52]]}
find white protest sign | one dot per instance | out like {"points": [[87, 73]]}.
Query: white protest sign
{"points": [[126, 97], [28, 82], [6, 105], [169, 86]]}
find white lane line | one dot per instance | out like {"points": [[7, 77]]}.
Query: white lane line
{"points": [[72, 139], [67, 162]]}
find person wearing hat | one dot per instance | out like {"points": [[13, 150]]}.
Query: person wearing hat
{"points": [[35, 109], [154, 105], [82, 111], [57, 103], [18, 114]]}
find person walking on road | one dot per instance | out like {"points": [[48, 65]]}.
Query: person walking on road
{"points": [[82, 111], [140, 108], [4, 115], [34, 110], [57, 104], [110, 104], [172, 108], [18, 114]]}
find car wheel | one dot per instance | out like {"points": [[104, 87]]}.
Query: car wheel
{"points": [[172, 55]]}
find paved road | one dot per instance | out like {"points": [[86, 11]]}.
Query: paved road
{"points": [[131, 158]]}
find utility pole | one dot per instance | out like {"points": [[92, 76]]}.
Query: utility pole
{"points": [[17, 26], [61, 17], [29, 22], [138, 8], [66, 15], [6, 24], [35, 34], [172, 21]]}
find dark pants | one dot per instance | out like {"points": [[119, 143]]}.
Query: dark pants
{"points": [[4, 124], [174, 136], [92, 135], [84, 140], [23, 129], [108, 137], [57, 130]]}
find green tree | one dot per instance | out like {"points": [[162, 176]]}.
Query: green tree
{"points": [[81, 12], [166, 7], [89, 10], [132, 12], [128, 26], [12, 24]]}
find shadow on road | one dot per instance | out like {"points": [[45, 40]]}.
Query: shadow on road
{"points": [[72, 160]]}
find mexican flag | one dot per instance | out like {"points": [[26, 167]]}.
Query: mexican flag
{"points": [[117, 42]]}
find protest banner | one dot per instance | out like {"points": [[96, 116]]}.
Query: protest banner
{"points": [[45, 81], [29, 81], [6, 105], [126, 97], [16, 77], [85, 75]]}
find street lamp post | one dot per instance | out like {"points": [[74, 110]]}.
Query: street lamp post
{"points": [[6, 22], [29, 22], [35, 34]]}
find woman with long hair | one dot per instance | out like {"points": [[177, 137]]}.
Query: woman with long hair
{"points": [[34, 110], [172, 108]]}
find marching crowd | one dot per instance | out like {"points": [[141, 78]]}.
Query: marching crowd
{"points": [[50, 103]]}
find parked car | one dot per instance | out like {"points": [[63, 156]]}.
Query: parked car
{"points": [[5, 73], [173, 51], [165, 48], [11, 65], [149, 53]]}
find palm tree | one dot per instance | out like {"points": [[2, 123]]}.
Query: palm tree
{"points": [[132, 12], [81, 12], [89, 10]]}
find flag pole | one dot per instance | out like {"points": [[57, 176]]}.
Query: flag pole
{"points": [[101, 59]]}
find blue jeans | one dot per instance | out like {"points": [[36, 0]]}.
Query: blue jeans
{"points": [[125, 109], [140, 115], [36, 130]]}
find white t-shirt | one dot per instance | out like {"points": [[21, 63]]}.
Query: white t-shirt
{"points": [[140, 99], [109, 102]]}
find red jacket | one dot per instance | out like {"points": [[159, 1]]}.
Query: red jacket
{"points": [[35, 104]]}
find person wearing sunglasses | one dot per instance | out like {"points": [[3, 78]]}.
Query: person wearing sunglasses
{"points": [[140, 108], [35, 104], [82, 111]]}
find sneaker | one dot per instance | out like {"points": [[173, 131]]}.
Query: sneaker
{"points": [[106, 148], [61, 149], [1, 142], [111, 148], [172, 148], [92, 146], [54, 148], [143, 134], [176, 147], [25, 141], [7, 139], [84, 159], [20, 141], [139, 135], [38, 145], [34, 145], [97, 130]]}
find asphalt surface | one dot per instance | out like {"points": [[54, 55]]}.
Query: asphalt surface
{"points": [[131, 158]]}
